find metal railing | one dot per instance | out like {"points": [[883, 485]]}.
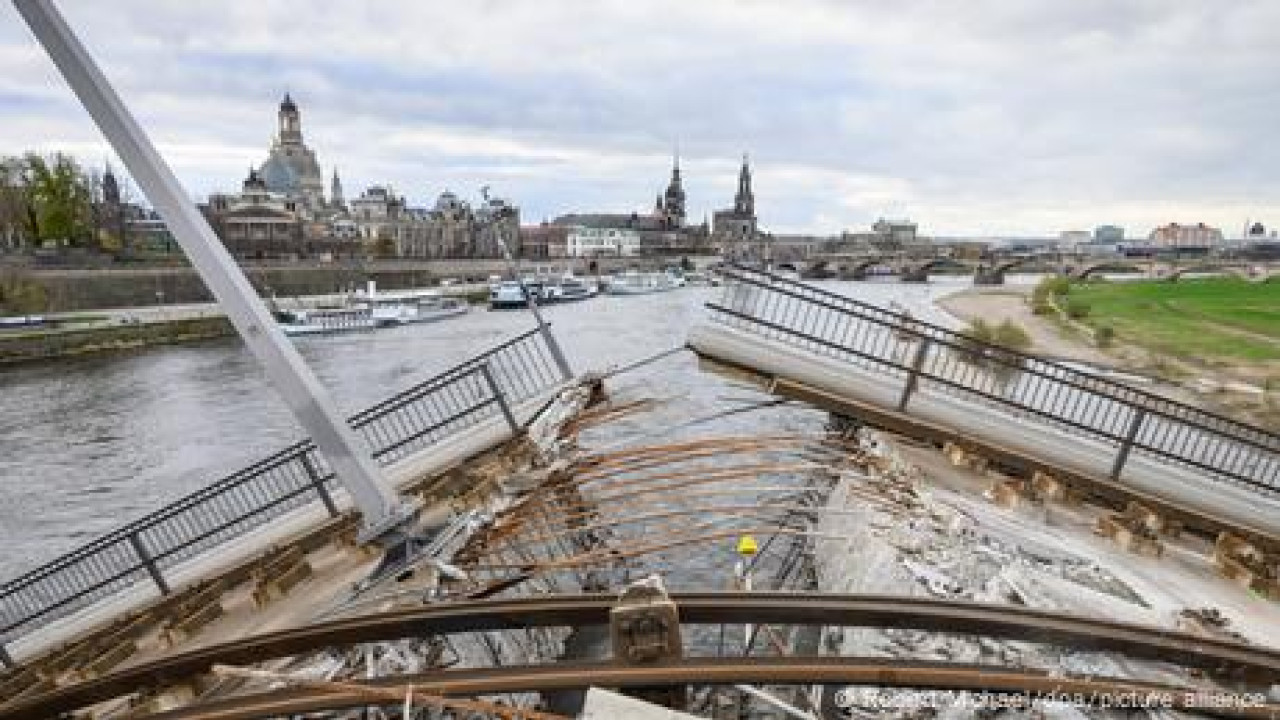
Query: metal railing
{"points": [[481, 388], [945, 361]]}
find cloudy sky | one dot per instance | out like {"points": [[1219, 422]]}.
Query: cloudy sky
{"points": [[974, 118]]}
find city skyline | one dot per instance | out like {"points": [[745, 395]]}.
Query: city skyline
{"points": [[994, 121]]}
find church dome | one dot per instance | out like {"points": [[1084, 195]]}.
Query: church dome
{"points": [[447, 201], [287, 104], [278, 175]]}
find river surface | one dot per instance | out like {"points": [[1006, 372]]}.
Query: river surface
{"points": [[89, 444]]}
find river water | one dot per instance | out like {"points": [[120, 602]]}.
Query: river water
{"points": [[89, 444]]}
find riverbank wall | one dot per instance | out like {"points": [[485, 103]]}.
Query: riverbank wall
{"points": [[44, 345], [68, 289]]}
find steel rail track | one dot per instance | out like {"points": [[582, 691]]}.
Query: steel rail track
{"points": [[884, 611], [1014, 686]]}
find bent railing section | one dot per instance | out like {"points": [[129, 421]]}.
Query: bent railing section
{"points": [[484, 387], [945, 361]]}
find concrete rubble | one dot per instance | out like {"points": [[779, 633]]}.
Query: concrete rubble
{"points": [[941, 533]]}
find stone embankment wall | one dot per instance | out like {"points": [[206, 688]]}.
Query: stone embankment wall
{"points": [[27, 347], [85, 289]]}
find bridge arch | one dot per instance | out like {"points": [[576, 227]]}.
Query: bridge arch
{"points": [[817, 270], [919, 272], [857, 269], [1084, 272], [1242, 271], [1008, 265]]}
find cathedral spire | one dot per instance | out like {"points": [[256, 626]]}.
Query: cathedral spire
{"points": [[673, 200], [335, 191], [744, 202]]}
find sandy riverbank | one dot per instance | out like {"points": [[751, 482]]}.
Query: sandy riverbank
{"points": [[1217, 389], [997, 304]]}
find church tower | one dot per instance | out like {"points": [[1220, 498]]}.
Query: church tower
{"points": [[675, 211], [110, 188], [290, 122], [113, 215], [335, 192], [291, 167], [744, 202]]}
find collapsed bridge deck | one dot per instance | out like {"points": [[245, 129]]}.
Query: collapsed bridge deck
{"points": [[895, 371]]}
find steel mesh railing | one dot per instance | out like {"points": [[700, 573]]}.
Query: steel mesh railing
{"points": [[475, 391], [944, 361]]}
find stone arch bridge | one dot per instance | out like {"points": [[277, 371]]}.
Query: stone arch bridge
{"points": [[993, 271]]}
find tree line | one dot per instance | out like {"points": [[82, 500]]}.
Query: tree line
{"points": [[52, 201]]}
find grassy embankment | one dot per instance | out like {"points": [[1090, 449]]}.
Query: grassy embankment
{"points": [[1207, 336], [1196, 320]]}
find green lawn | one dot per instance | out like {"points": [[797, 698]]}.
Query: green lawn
{"points": [[1218, 318]]}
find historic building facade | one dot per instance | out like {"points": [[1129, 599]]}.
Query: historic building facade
{"points": [[737, 225], [451, 228], [669, 210], [664, 231], [546, 240], [257, 222], [1175, 235]]}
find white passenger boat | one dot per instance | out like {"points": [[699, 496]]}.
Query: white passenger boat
{"points": [[788, 272], [571, 289], [324, 321], [638, 283], [404, 308], [22, 321], [698, 279], [506, 295]]}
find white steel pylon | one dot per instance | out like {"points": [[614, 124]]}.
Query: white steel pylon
{"points": [[346, 452]]}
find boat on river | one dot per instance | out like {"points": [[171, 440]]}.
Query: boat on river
{"points": [[571, 289], [641, 283], [406, 308], [325, 321], [699, 279], [508, 295]]}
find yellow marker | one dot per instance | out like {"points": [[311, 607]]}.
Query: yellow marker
{"points": [[747, 545]]}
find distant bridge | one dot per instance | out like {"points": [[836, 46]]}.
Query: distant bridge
{"points": [[1174, 271], [993, 270], [915, 268]]}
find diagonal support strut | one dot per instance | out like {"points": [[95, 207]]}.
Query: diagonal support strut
{"points": [[346, 452]]}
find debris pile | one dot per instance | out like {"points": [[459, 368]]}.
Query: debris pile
{"points": [[903, 536]]}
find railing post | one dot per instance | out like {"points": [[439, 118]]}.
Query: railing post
{"points": [[149, 563], [914, 377], [1135, 424], [317, 482], [566, 373], [502, 399], [557, 354]]}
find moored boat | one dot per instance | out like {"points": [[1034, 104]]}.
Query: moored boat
{"points": [[638, 283], [404, 308], [698, 279], [571, 288], [507, 295], [325, 321]]}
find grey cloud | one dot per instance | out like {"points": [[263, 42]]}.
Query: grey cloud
{"points": [[979, 117]]}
